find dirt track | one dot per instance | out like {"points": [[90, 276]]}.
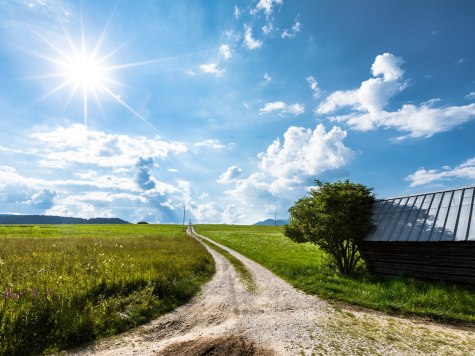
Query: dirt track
{"points": [[276, 319]]}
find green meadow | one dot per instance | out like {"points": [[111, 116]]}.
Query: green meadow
{"points": [[62, 285], [308, 268]]}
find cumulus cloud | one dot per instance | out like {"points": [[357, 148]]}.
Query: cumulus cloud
{"points": [[292, 32], [465, 170], [232, 214], [93, 194], [312, 82], [293, 109], [44, 199], [231, 174], [225, 51], [249, 40], [143, 175], [22, 195], [373, 94], [77, 144], [212, 68], [305, 153], [286, 168], [369, 100]]}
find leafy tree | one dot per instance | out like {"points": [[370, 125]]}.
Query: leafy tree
{"points": [[335, 216]]}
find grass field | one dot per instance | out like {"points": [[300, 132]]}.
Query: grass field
{"points": [[305, 266], [63, 285]]}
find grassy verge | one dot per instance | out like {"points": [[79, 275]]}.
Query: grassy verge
{"points": [[241, 270], [305, 266], [64, 285]]}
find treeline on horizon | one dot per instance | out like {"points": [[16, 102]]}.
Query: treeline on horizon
{"points": [[7, 219]]}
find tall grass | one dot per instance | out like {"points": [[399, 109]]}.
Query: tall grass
{"points": [[307, 268], [64, 285]]}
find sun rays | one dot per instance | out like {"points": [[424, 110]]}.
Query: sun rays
{"points": [[84, 70]]}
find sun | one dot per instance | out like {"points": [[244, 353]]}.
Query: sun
{"points": [[86, 72], [83, 69]]}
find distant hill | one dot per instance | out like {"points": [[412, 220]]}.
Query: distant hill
{"points": [[271, 222], [7, 219]]}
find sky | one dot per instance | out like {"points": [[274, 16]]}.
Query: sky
{"points": [[134, 109]]}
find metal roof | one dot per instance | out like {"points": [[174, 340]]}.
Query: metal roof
{"points": [[431, 217]]}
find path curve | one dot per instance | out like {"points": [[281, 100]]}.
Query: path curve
{"points": [[277, 319]]}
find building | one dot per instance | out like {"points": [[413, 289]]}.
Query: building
{"points": [[429, 236]]}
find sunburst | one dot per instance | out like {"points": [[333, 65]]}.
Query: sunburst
{"points": [[85, 72]]}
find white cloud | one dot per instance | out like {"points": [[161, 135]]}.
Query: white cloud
{"points": [[267, 28], [305, 153], [470, 95], [267, 77], [369, 100], [250, 42], [237, 12], [294, 109], [232, 214], [286, 169], [172, 170], [373, 94], [418, 121], [267, 6], [209, 211], [313, 86], [212, 68], [231, 174], [77, 144], [466, 170], [225, 51], [211, 143], [292, 32]]}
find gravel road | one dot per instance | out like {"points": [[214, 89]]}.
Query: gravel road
{"points": [[277, 319]]}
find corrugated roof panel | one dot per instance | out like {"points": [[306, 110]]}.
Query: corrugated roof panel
{"points": [[411, 219], [438, 216], [430, 219], [441, 217], [450, 223], [385, 220], [421, 217], [464, 215]]}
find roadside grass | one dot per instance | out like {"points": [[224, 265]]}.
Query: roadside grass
{"points": [[243, 273], [62, 285], [306, 267]]}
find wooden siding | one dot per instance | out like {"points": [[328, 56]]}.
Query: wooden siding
{"points": [[449, 261]]}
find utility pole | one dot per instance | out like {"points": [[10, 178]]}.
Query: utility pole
{"points": [[184, 206]]}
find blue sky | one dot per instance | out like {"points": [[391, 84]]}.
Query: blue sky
{"points": [[133, 109]]}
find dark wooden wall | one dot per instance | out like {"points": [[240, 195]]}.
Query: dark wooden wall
{"points": [[449, 261]]}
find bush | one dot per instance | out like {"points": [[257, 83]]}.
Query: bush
{"points": [[335, 216]]}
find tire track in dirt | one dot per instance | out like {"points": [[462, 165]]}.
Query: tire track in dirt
{"points": [[277, 319]]}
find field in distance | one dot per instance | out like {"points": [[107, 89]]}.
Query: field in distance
{"points": [[63, 285], [307, 268]]}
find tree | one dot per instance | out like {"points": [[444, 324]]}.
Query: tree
{"points": [[335, 216]]}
